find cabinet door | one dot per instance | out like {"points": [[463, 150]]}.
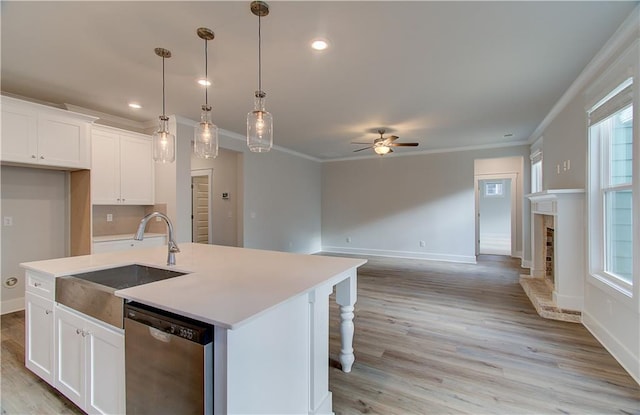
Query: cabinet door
{"points": [[136, 171], [62, 141], [105, 168], [105, 370], [39, 334], [70, 356], [19, 134]]}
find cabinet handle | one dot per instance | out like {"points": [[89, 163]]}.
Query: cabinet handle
{"points": [[47, 311], [78, 331], [36, 284], [41, 157], [85, 333], [33, 156]]}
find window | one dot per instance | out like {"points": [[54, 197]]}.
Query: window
{"points": [[493, 189], [611, 187], [536, 175]]}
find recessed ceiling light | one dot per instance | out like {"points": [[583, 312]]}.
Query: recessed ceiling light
{"points": [[319, 44], [135, 105], [204, 82]]}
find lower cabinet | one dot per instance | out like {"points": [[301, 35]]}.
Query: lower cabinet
{"points": [[39, 335], [89, 362]]}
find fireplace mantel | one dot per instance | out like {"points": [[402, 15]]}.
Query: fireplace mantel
{"points": [[567, 208]]}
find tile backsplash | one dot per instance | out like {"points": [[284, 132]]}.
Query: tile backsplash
{"points": [[125, 219]]}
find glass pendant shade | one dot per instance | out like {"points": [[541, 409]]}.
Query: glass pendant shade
{"points": [[164, 143], [259, 126], [205, 143]]}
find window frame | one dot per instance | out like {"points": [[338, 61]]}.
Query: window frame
{"points": [[598, 161]]}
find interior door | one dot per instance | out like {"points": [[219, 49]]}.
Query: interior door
{"points": [[200, 209], [495, 216]]}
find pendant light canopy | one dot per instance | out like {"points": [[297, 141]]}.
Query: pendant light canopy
{"points": [[205, 143], [164, 143], [259, 121]]}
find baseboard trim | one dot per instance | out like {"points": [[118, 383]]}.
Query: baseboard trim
{"points": [[13, 305], [624, 356], [401, 254]]}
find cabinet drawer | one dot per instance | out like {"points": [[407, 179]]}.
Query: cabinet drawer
{"points": [[126, 244], [42, 285]]}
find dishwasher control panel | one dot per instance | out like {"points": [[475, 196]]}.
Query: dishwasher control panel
{"points": [[167, 322]]}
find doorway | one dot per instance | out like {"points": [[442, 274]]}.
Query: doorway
{"points": [[201, 223], [496, 214]]}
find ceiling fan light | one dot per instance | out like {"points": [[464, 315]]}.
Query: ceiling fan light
{"points": [[382, 150]]}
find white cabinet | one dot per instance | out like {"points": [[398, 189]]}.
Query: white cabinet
{"points": [[90, 363], [122, 170], [46, 136], [126, 244], [39, 334]]}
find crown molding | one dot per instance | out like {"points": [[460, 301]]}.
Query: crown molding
{"points": [[628, 30], [107, 119]]}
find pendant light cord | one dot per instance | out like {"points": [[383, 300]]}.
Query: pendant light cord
{"points": [[163, 109], [206, 75], [259, 53]]}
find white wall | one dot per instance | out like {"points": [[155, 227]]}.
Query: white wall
{"points": [[387, 205], [279, 193], [224, 212], [608, 314], [37, 201]]}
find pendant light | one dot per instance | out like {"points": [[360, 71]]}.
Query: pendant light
{"points": [[205, 143], [259, 121], [164, 143]]}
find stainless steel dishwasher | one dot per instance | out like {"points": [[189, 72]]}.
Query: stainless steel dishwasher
{"points": [[168, 361]]}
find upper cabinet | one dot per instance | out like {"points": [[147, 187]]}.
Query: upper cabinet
{"points": [[44, 136], [122, 169]]}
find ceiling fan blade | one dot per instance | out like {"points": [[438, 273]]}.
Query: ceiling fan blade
{"points": [[392, 138], [360, 142], [404, 144], [360, 149]]}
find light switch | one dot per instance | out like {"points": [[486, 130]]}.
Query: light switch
{"points": [[7, 221], [109, 217]]}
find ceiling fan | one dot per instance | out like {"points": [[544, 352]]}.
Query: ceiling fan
{"points": [[383, 145]]}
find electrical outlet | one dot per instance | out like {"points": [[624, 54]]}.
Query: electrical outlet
{"points": [[7, 221], [158, 219], [109, 217], [11, 282], [423, 244], [348, 239]]}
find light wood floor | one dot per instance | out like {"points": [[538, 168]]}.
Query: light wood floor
{"points": [[434, 338], [431, 338]]}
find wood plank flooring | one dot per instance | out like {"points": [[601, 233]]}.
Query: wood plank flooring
{"points": [[431, 338], [436, 338]]}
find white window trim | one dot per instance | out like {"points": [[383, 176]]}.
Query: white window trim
{"points": [[625, 67]]}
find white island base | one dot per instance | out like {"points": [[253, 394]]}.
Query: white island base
{"points": [[279, 362]]}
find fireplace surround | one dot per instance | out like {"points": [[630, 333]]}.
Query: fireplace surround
{"points": [[562, 211]]}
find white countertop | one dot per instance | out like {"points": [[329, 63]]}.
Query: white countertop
{"points": [[225, 286], [124, 237]]}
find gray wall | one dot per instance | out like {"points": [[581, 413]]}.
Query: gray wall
{"points": [[37, 200], [387, 205]]}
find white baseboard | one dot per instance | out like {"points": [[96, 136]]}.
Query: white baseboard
{"points": [[9, 306], [401, 254], [517, 254], [624, 356], [526, 263]]}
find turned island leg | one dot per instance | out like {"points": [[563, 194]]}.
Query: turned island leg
{"points": [[346, 297]]}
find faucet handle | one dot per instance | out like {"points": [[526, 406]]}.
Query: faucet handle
{"points": [[173, 247]]}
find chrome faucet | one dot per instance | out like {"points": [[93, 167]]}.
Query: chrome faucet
{"points": [[171, 245]]}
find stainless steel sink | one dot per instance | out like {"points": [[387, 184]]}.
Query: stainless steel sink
{"points": [[91, 293]]}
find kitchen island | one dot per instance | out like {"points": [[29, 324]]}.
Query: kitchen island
{"points": [[269, 311]]}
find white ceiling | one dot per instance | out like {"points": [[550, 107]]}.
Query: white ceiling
{"points": [[445, 74]]}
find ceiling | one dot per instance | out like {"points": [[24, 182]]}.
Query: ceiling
{"points": [[445, 74]]}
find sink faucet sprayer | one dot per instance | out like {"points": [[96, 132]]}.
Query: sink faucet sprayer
{"points": [[171, 245]]}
